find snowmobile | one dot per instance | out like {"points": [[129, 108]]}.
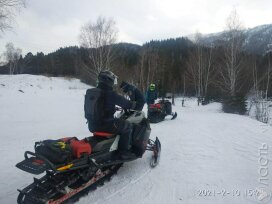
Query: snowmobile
{"points": [[158, 111], [93, 160]]}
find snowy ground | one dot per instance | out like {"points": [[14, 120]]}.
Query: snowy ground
{"points": [[208, 157]]}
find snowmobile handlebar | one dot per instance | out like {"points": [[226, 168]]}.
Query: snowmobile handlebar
{"points": [[117, 108], [127, 111]]}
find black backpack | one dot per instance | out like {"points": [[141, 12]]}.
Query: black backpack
{"points": [[94, 106], [56, 151]]}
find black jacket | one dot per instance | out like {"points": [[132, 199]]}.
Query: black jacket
{"points": [[134, 95], [111, 99]]}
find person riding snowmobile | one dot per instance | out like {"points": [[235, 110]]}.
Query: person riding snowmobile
{"points": [[151, 94], [134, 94], [107, 121], [72, 166]]}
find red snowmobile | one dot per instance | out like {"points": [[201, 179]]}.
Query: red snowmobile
{"points": [[158, 111], [83, 164]]}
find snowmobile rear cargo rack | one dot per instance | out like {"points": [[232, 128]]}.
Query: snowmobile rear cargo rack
{"points": [[36, 164]]}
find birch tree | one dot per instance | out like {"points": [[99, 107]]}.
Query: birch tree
{"points": [[141, 70], [8, 9], [12, 56], [98, 37], [231, 69], [259, 102], [200, 66], [148, 66], [269, 73]]}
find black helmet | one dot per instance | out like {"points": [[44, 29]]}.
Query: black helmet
{"points": [[108, 78], [126, 87]]}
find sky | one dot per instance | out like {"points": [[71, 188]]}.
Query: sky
{"points": [[45, 26]]}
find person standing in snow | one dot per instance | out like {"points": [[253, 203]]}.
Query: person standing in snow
{"points": [[151, 94]]}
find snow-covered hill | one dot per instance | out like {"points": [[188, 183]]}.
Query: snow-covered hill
{"points": [[258, 40], [208, 157]]}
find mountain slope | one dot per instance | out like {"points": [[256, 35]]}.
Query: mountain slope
{"points": [[258, 39]]}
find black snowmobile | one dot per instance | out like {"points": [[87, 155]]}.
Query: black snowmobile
{"points": [[83, 164], [158, 111]]}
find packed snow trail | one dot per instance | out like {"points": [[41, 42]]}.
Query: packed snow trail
{"points": [[207, 156]]}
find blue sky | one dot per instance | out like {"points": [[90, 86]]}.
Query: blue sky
{"points": [[47, 25]]}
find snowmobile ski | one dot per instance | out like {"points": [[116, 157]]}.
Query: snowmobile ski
{"points": [[155, 146], [174, 116]]}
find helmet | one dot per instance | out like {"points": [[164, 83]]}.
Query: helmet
{"points": [[108, 78], [124, 85], [152, 87], [127, 87]]}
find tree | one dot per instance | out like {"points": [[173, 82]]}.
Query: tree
{"points": [[233, 58], [2, 60], [8, 9], [26, 64], [148, 66], [269, 73], [98, 37], [12, 56], [259, 102], [200, 66]]}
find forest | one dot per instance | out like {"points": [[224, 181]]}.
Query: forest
{"points": [[221, 70]]}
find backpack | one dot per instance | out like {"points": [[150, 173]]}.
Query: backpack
{"points": [[94, 106], [56, 151]]}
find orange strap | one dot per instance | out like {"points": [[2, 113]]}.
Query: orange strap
{"points": [[103, 134]]}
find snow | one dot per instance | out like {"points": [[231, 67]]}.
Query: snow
{"points": [[203, 149]]}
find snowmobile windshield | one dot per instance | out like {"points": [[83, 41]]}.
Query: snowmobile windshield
{"points": [[115, 81]]}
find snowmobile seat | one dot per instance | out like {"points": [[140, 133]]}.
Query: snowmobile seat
{"points": [[156, 105], [103, 134]]}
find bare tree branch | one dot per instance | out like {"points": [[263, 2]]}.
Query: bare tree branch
{"points": [[232, 57], [8, 10], [200, 66], [98, 37], [12, 56]]}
